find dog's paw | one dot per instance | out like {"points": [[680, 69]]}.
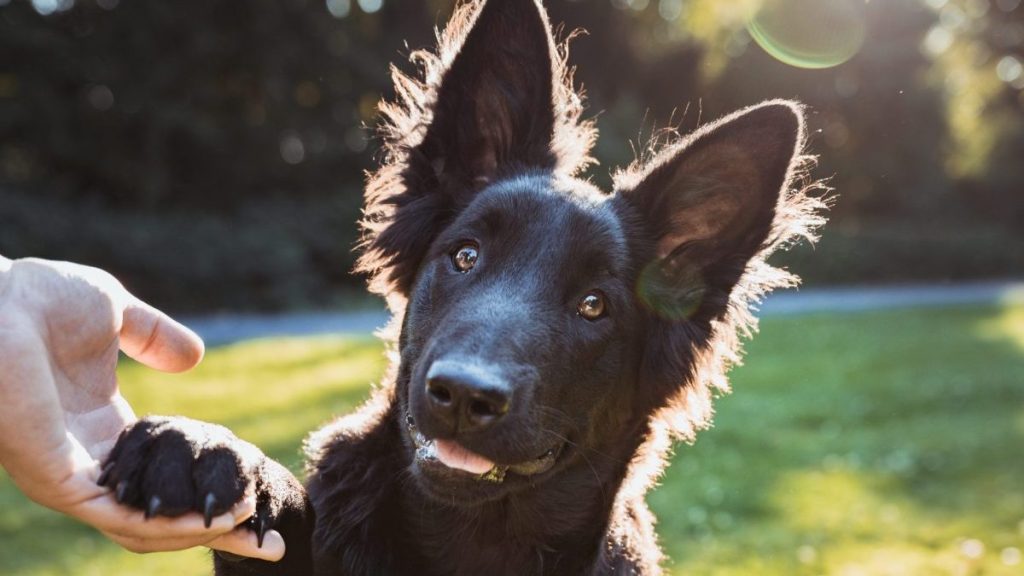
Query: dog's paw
{"points": [[172, 466]]}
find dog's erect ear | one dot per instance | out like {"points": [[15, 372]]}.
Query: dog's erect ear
{"points": [[709, 203], [495, 108], [490, 102]]}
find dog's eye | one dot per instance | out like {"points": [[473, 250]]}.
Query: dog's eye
{"points": [[592, 305], [464, 259]]}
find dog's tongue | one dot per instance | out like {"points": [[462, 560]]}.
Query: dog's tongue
{"points": [[454, 456]]}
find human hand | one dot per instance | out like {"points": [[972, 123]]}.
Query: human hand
{"points": [[61, 326]]}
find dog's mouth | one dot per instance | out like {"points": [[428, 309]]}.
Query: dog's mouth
{"points": [[454, 456]]}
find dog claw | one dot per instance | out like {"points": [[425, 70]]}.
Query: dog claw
{"points": [[261, 530], [211, 503], [153, 508], [105, 474], [121, 491]]}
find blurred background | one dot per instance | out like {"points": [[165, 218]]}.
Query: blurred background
{"points": [[212, 154]]}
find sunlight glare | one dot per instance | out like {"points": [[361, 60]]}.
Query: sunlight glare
{"points": [[809, 33]]}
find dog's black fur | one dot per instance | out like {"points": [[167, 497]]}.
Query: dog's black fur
{"points": [[482, 152]]}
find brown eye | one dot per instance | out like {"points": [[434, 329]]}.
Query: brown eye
{"points": [[464, 259], [592, 305]]}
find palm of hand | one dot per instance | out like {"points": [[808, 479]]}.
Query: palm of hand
{"points": [[62, 324]]}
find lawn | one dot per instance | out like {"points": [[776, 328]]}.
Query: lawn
{"points": [[873, 443]]}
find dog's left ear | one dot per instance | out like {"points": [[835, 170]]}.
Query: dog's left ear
{"points": [[708, 205]]}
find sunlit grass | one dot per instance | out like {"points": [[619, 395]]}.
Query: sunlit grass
{"points": [[884, 443], [875, 444]]}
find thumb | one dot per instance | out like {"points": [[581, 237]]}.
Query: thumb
{"points": [[154, 339]]}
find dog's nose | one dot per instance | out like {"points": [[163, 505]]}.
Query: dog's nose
{"points": [[465, 397]]}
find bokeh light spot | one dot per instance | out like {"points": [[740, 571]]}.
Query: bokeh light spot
{"points": [[809, 33], [670, 10], [972, 548], [8, 84], [47, 7], [356, 140], [1009, 69], [370, 6], [1010, 556], [307, 94], [293, 151], [100, 97], [339, 8], [937, 41]]}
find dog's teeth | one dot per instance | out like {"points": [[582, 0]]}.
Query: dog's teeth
{"points": [[496, 474]]}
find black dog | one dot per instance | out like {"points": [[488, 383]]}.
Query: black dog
{"points": [[553, 338]]}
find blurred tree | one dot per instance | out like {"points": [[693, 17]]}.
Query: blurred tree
{"points": [[978, 47], [212, 153]]}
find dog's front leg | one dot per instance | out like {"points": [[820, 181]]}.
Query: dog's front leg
{"points": [[281, 505]]}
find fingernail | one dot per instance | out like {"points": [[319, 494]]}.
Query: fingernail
{"points": [[273, 548], [245, 508], [224, 523]]}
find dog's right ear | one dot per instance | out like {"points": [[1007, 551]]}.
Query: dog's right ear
{"points": [[486, 107], [709, 204]]}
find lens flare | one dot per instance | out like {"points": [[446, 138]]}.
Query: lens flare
{"points": [[672, 289], [809, 33]]}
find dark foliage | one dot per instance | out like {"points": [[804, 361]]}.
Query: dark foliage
{"points": [[212, 154]]}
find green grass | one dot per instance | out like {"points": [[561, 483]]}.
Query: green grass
{"points": [[878, 443]]}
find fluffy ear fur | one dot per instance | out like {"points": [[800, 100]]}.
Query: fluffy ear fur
{"points": [[708, 204], [494, 108], [710, 208], [495, 97]]}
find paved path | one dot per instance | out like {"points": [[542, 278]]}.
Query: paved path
{"points": [[227, 328]]}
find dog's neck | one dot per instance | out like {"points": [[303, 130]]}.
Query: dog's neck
{"points": [[535, 531]]}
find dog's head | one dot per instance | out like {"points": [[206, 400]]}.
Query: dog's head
{"points": [[542, 317]]}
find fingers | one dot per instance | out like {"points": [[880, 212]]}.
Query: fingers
{"points": [[165, 533], [240, 541], [154, 339], [145, 546], [243, 542]]}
